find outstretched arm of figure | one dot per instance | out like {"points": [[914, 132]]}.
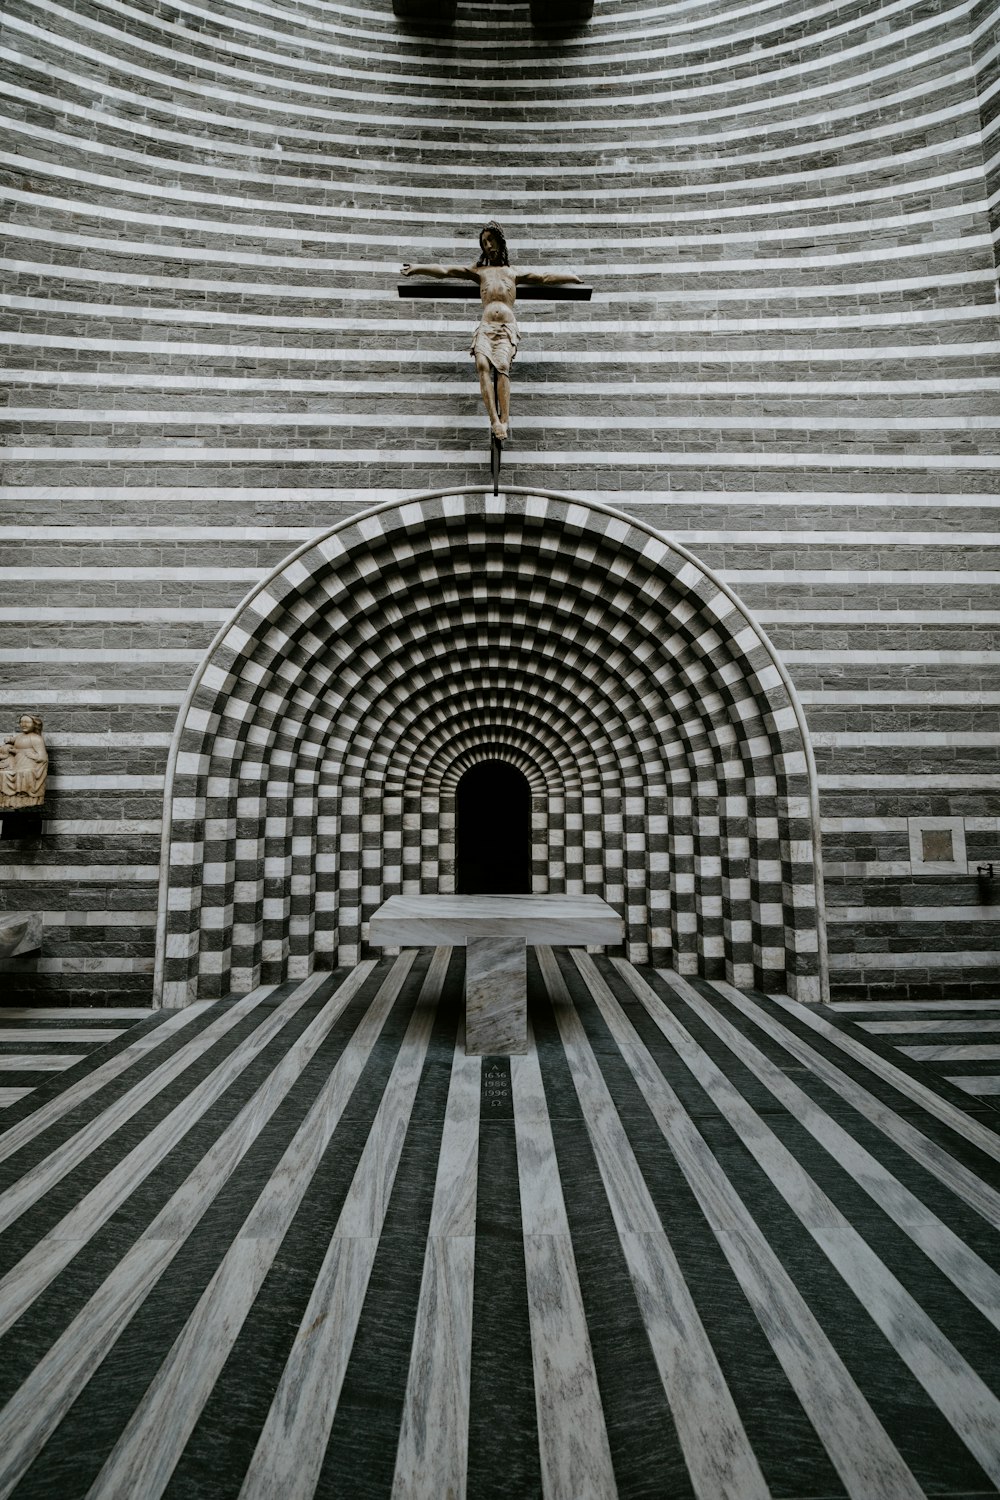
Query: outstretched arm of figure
{"points": [[546, 278], [441, 273]]}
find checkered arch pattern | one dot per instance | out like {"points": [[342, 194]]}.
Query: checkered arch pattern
{"points": [[317, 755]]}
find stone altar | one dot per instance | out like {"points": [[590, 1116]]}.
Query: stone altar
{"points": [[495, 931]]}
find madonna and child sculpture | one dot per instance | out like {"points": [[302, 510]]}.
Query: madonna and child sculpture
{"points": [[495, 341], [24, 763]]}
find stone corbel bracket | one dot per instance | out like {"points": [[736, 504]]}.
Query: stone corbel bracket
{"points": [[20, 934]]}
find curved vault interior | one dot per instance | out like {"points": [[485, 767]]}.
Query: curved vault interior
{"points": [[319, 750]]}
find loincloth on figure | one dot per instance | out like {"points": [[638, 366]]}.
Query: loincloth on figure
{"points": [[498, 343]]}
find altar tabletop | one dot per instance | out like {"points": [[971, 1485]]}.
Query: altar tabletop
{"points": [[409, 921], [496, 932]]}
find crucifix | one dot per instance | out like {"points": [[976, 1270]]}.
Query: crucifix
{"points": [[495, 341]]}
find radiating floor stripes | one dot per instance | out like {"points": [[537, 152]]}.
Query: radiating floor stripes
{"points": [[697, 1243], [958, 1040], [35, 1043]]}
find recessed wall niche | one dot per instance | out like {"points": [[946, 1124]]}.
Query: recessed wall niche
{"points": [[317, 756]]}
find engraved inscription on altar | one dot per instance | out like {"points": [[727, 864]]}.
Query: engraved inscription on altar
{"points": [[496, 1088]]}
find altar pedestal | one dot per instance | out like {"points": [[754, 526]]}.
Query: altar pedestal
{"points": [[495, 931]]}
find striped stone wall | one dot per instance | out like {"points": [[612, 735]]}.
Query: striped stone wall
{"points": [[985, 36], [789, 365]]}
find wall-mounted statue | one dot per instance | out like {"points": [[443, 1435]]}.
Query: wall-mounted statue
{"points": [[24, 765], [495, 341]]}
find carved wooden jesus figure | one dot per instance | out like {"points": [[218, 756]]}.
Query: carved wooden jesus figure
{"points": [[494, 342]]}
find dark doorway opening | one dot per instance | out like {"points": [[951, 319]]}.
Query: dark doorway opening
{"points": [[493, 831]]}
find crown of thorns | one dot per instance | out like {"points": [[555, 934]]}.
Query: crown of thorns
{"points": [[498, 231]]}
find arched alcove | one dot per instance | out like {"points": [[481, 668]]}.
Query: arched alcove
{"points": [[318, 753], [493, 830]]}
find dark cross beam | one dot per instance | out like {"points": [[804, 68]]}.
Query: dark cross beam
{"points": [[574, 292]]}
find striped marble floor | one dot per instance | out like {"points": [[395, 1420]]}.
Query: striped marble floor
{"points": [[695, 1243], [959, 1040], [34, 1044]]}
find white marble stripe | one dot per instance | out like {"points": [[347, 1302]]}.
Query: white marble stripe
{"points": [[980, 1087], [968, 1272], [574, 1452], [955, 1176], [191, 572], [117, 656], [84, 614], [936, 390], [848, 655], [553, 458], [631, 1205], [197, 119], [454, 1209], [953, 1052], [124, 782], [11, 1034], [96, 917], [934, 393], [179, 1217], [237, 533], [76, 1148], [926, 1006], [948, 1114], [432, 1455], [126, 740], [246, 495], [799, 536], [750, 292], [930, 698], [85, 963], [918, 1028], [853, 914], [40, 1404], [309, 497], [915, 656], [83, 1013], [17, 1136], [919, 781], [963, 1399], [859, 1448], [547, 328], [447, 422], [39, 1061], [854, 739], [734, 354], [29, 1276], [713, 1440], [572, 1438], [289, 1454]]}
